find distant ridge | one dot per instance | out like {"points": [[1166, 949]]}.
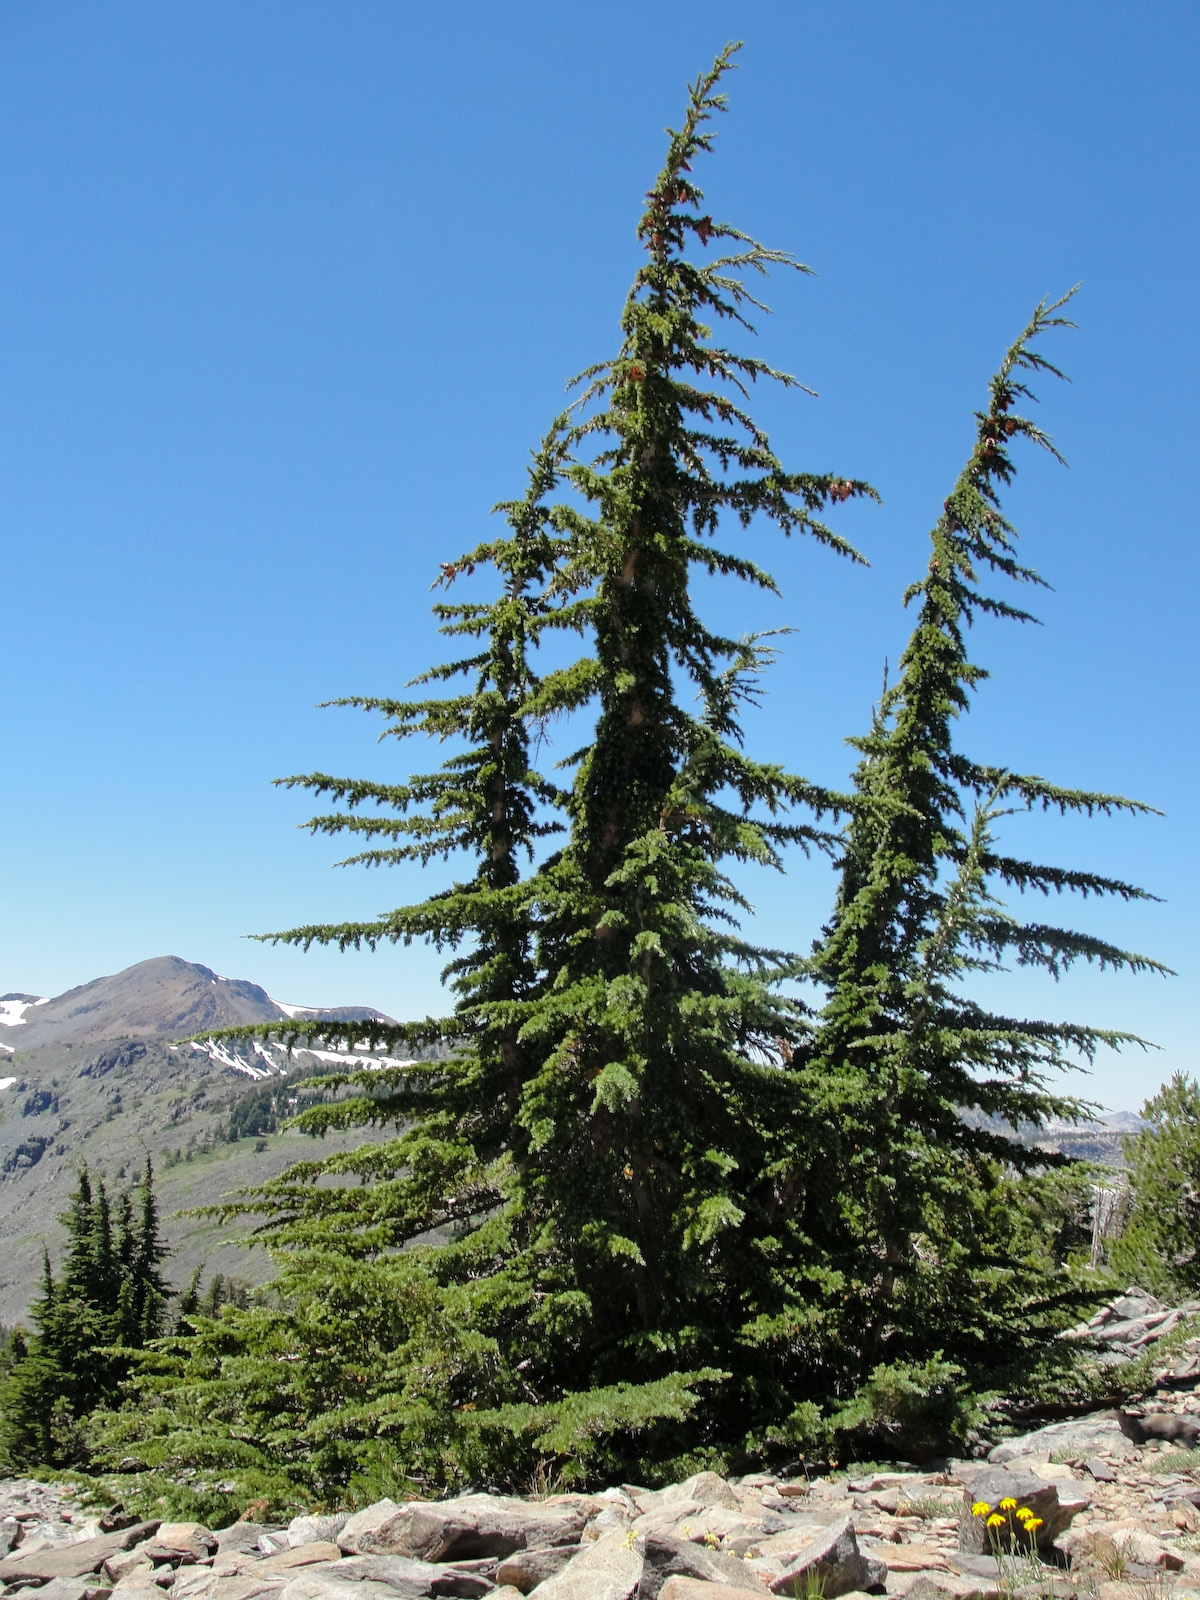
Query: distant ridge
{"points": [[165, 997]]}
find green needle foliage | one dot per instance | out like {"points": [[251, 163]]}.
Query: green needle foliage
{"points": [[1159, 1246], [108, 1301], [658, 1039], [923, 1086], [641, 1207]]}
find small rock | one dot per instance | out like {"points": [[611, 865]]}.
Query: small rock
{"points": [[183, 1535], [1100, 1470], [953, 1586], [300, 1555], [833, 1560], [679, 1587], [125, 1562], [666, 1557], [116, 1518], [304, 1530], [525, 1569]]}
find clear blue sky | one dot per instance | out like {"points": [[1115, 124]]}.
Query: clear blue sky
{"points": [[288, 290]]}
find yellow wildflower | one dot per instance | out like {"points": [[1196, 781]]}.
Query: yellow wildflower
{"points": [[1008, 1503], [1032, 1523], [996, 1520], [980, 1508]]}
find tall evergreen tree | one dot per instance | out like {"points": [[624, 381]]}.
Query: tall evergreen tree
{"points": [[634, 1165], [602, 1141], [924, 1087], [648, 1197]]}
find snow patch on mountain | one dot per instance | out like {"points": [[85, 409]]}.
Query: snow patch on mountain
{"points": [[273, 1061], [14, 1007]]}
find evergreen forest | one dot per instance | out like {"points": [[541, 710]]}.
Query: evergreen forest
{"points": [[656, 1198]]}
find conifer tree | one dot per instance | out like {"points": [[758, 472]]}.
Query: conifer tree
{"points": [[603, 1138], [1159, 1246], [106, 1302], [631, 1164], [923, 1086], [149, 1288], [659, 1087], [487, 801]]}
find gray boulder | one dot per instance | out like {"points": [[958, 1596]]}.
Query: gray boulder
{"points": [[71, 1560], [331, 1583], [703, 1489], [1133, 1303], [308, 1530], [665, 1557], [995, 1484], [458, 1530], [364, 1525], [681, 1588], [385, 1577], [403, 1573], [240, 1536], [72, 1589], [833, 1562], [1099, 1435]]}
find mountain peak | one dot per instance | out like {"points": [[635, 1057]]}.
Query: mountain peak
{"points": [[165, 997]]}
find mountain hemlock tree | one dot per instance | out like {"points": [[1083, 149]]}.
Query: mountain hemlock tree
{"points": [[922, 1087], [599, 1141], [107, 1302], [608, 1230]]}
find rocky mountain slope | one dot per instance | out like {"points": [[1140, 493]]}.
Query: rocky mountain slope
{"points": [[101, 1074], [163, 998]]}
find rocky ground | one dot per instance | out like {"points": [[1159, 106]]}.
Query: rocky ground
{"points": [[1101, 1507]]}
